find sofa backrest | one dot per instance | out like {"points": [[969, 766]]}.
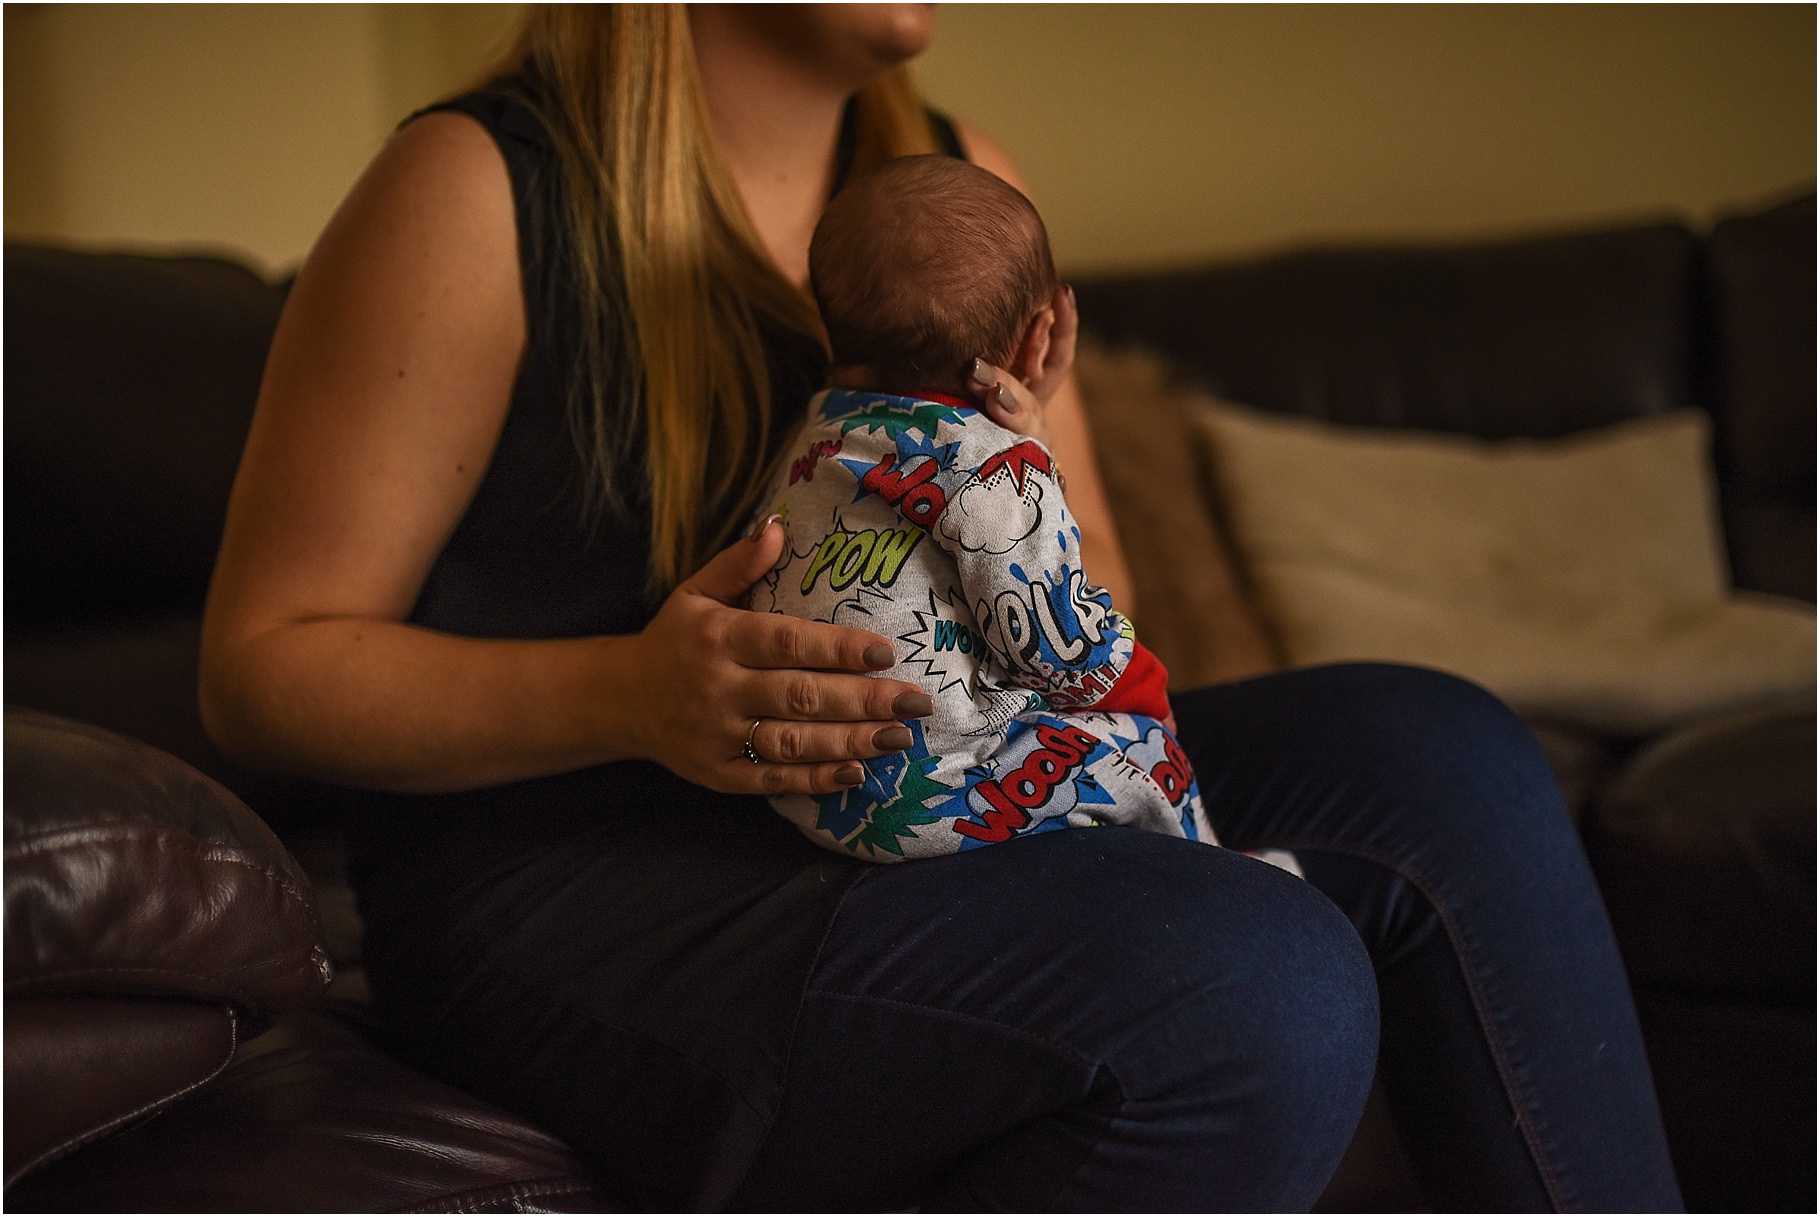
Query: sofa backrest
{"points": [[1535, 337], [131, 379], [130, 383], [1758, 379]]}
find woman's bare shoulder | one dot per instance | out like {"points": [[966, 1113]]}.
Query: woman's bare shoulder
{"points": [[447, 145], [439, 179], [425, 244]]}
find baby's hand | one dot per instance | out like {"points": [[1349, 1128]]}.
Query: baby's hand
{"points": [[1008, 402]]}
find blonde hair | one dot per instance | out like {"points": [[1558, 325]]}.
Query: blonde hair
{"points": [[673, 286]]}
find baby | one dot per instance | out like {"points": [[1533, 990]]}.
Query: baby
{"points": [[911, 513]]}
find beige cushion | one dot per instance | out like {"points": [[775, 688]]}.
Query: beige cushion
{"points": [[1189, 609], [1581, 579]]}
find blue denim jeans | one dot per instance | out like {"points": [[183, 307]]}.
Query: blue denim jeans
{"points": [[1108, 1020]]}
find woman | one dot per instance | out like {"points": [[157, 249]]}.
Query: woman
{"points": [[482, 564]]}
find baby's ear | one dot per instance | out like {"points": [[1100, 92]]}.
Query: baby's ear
{"points": [[1033, 348]]}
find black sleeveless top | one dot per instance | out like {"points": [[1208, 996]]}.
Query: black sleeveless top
{"points": [[715, 906]]}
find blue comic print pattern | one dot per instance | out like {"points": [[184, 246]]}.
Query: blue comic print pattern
{"points": [[927, 522]]}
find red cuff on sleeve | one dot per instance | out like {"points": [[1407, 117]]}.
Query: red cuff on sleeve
{"points": [[1143, 687]]}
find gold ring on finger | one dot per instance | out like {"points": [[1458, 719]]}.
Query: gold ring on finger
{"points": [[750, 752]]}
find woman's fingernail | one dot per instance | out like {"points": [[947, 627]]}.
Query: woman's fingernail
{"points": [[878, 657], [758, 529], [893, 739], [850, 775], [980, 375], [1006, 402], [1071, 300], [913, 704]]}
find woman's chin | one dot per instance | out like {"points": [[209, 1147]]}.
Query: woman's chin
{"points": [[857, 41]]}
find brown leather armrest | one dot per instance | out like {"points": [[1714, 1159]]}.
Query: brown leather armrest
{"points": [[128, 873]]}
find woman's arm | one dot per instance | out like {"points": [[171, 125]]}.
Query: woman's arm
{"points": [[385, 391], [1067, 433]]}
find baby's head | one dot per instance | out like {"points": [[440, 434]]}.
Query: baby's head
{"points": [[924, 264]]}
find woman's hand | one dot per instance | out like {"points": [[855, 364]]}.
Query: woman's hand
{"points": [[1020, 402], [709, 669]]}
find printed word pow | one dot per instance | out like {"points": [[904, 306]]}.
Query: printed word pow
{"points": [[873, 556]]}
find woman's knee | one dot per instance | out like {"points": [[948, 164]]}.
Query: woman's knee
{"points": [[1105, 928], [1439, 780], [1240, 977], [1445, 748], [1305, 1015], [1274, 1041], [1396, 695], [1224, 1010]]}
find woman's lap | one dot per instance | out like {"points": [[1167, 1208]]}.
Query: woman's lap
{"points": [[1106, 1019], [1094, 1019], [1418, 804]]}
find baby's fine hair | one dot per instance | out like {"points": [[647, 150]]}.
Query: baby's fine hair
{"points": [[925, 263]]}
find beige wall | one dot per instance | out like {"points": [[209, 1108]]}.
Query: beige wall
{"points": [[1156, 132], [1149, 133], [237, 127]]}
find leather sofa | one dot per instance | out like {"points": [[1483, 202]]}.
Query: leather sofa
{"points": [[185, 1017]]}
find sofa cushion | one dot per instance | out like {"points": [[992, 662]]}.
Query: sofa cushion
{"points": [[79, 1068], [1190, 609], [130, 873], [311, 1117], [1704, 848], [1582, 579]]}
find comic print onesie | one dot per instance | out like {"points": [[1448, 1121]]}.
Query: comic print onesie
{"points": [[923, 520]]}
